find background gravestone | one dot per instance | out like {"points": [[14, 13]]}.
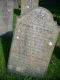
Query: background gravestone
{"points": [[28, 5], [33, 43], [6, 16], [16, 3]]}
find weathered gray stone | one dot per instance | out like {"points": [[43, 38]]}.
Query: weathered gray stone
{"points": [[28, 5], [6, 16], [33, 43], [16, 3]]}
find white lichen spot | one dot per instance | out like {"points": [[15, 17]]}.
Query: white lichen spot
{"points": [[50, 44], [17, 37], [27, 6], [8, 10]]}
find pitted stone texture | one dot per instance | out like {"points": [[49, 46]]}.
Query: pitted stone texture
{"points": [[6, 16], [16, 3], [33, 43], [28, 5]]}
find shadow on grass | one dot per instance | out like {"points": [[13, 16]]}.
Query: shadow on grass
{"points": [[6, 43], [17, 12], [49, 2], [57, 19], [53, 6], [57, 52]]}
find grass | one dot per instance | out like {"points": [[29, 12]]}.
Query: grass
{"points": [[53, 72]]}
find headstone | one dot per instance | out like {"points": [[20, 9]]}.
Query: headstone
{"points": [[16, 3], [6, 16], [33, 43], [28, 5]]}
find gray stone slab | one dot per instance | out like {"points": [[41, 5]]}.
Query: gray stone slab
{"points": [[28, 5], [16, 3], [33, 43], [6, 16]]}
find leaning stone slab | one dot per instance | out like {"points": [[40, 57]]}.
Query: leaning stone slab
{"points": [[33, 43], [6, 16], [28, 5]]}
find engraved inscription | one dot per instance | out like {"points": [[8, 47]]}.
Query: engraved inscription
{"points": [[33, 42]]}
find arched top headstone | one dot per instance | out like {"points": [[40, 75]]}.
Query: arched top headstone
{"points": [[39, 17], [33, 43]]}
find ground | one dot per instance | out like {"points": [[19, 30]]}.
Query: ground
{"points": [[53, 72]]}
